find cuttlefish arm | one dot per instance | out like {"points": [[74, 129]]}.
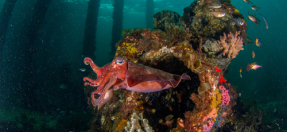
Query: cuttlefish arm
{"points": [[100, 71], [105, 95], [114, 74]]}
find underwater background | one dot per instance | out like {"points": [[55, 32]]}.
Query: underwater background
{"points": [[58, 101]]}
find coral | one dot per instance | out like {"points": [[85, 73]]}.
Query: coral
{"points": [[130, 102], [195, 99], [175, 33], [208, 126], [225, 98], [180, 122], [161, 54], [232, 45], [134, 124], [216, 100], [197, 64], [189, 59], [203, 87], [146, 126], [237, 12], [168, 121], [212, 114], [130, 48], [222, 79], [121, 125]]}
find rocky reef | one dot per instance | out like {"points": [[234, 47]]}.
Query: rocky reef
{"points": [[196, 45]]}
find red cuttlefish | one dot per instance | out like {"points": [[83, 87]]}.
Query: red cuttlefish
{"points": [[123, 74]]}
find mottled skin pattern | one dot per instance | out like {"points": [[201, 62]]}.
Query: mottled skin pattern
{"points": [[124, 74]]}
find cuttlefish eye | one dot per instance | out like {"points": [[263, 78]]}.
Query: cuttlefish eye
{"points": [[120, 62]]}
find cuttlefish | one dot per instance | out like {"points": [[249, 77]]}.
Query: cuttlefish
{"points": [[123, 74]]}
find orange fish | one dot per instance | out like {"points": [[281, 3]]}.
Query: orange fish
{"points": [[253, 54], [252, 66], [257, 42]]}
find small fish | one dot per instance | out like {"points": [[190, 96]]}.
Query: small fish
{"points": [[252, 66], [253, 18], [253, 54], [240, 72], [257, 42], [264, 20], [248, 1], [218, 14], [82, 69], [239, 94], [254, 92], [238, 21], [274, 110], [248, 40], [215, 6], [63, 86], [277, 124], [254, 7]]}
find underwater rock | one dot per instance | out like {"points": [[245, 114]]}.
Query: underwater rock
{"points": [[198, 18], [212, 48], [190, 47], [163, 17], [174, 32]]}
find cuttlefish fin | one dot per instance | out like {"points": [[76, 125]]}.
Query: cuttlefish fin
{"points": [[150, 77], [153, 77], [176, 79], [105, 95]]}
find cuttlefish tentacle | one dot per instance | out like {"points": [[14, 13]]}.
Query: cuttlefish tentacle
{"points": [[106, 82], [99, 71], [91, 82], [96, 69], [106, 94]]}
